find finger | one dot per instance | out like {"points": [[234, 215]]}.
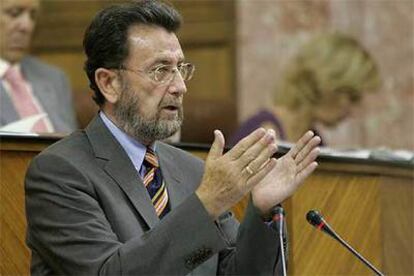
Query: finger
{"points": [[217, 147], [308, 160], [263, 158], [312, 144], [249, 172], [256, 178], [306, 172], [246, 143], [300, 143], [258, 150]]}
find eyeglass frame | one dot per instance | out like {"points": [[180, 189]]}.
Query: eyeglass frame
{"points": [[151, 73]]}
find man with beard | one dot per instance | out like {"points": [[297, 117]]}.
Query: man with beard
{"points": [[29, 88], [114, 200]]}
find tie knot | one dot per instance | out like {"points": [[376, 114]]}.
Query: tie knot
{"points": [[151, 158]]}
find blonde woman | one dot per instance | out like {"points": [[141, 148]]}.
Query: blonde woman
{"points": [[324, 80]]}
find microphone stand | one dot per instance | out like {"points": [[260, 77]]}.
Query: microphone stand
{"points": [[278, 221], [316, 219], [359, 256], [282, 247]]}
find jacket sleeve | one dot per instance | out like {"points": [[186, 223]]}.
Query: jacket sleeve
{"points": [[255, 247]]}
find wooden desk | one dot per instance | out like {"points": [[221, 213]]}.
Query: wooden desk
{"points": [[369, 203]]}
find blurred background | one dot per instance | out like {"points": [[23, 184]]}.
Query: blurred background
{"points": [[270, 31], [239, 48]]}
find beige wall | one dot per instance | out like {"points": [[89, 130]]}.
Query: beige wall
{"points": [[269, 31]]}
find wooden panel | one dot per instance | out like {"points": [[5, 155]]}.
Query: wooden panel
{"points": [[199, 124], [398, 225], [15, 256], [370, 206], [65, 21], [61, 24], [351, 206], [210, 101], [213, 77]]}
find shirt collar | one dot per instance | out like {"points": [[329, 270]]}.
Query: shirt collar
{"points": [[135, 150], [4, 66]]}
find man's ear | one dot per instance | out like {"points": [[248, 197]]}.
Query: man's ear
{"points": [[108, 83]]}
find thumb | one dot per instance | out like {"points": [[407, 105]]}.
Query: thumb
{"points": [[217, 147]]}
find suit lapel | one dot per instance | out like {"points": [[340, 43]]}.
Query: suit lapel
{"points": [[119, 167], [172, 174], [8, 112]]}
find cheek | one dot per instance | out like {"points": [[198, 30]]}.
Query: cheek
{"points": [[155, 96], [10, 27], [148, 108], [141, 96], [149, 105], [337, 112]]}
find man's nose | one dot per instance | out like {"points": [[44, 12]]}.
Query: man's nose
{"points": [[177, 85]]}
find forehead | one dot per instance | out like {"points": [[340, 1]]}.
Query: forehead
{"points": [[7, 4], [149, 43]]}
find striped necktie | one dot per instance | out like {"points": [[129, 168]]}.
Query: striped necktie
{"points": [[154, 183]]}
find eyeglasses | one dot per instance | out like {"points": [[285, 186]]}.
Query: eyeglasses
{"points": [[165, 73]]}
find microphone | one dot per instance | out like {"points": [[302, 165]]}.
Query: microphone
{"points": [[317, 220], [278, 219]]}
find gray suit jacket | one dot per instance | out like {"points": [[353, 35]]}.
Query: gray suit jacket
{"points": [[51, 88], [89, 213]]}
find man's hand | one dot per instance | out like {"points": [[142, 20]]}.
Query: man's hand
{"points": [[227, 178], [290, 171]]}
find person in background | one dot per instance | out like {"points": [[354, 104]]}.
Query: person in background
{"points": [[115, 200], [328, 76], [29, 87]]}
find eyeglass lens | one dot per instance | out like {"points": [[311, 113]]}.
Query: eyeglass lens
{"points": [[167, 73]]}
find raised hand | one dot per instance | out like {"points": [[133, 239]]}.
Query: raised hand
{"points": [[227, 178], [288, 174]]}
